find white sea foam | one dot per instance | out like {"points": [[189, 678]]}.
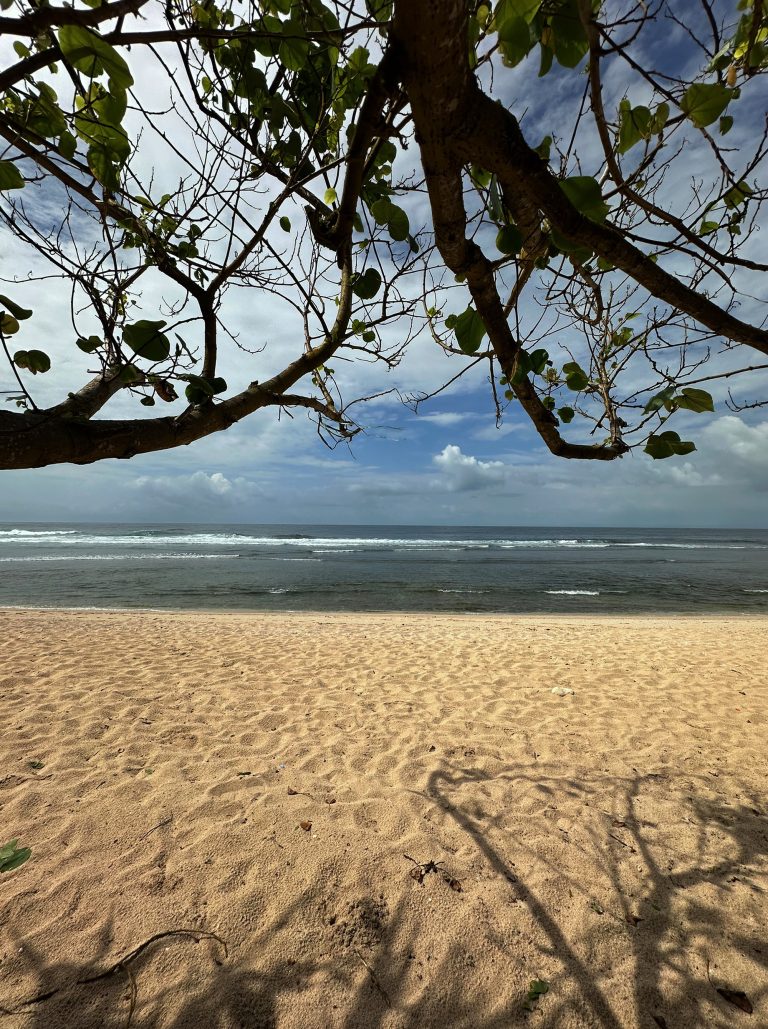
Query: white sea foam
{"points": [[116, 557], [446, 590], [695, 546], [574, 593], [30, 533], [74, 538]]}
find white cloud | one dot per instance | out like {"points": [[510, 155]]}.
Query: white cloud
{"points": [[199, 488], [461, 472], [444, 418], [735, 452]]}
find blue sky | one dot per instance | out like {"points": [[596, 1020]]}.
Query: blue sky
{"points": [[446, 464]]}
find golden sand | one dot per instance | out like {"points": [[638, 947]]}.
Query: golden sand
{"points": [[386, 821]]}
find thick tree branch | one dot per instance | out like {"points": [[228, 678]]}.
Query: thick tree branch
{"points": [[472, 128], [40, 19], [427, 63], [38, 438]]}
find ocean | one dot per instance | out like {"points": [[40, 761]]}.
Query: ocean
{"points": [[384, 568]]}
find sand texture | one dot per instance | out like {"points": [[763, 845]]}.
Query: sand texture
{"points": [[257, 782]]}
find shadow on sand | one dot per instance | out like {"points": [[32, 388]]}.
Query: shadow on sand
{"points": [[219, 992]]}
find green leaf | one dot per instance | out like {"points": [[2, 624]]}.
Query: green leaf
{"points": [[697, 400], [575, 377], [195, 395], [367, 285], [479, 176], [537, 361], [515, 40], [635, 123], [105, 166], [145, 340], [21, 313], [494, 206], [667, 444], [566, 414], [576, 250], [33, 360], [506, 9], [285, 224], [201, 388], [726, 124], [7, 849], [381, 10], [737, 195], [293, 51], [707, 227], [660, 119], [662, 399], [329, 197], [537, 989], [584, 193], [67, 145], [93, 56], [386, 213], [544, 148], [398, 224], [380, 210], [704, 102], [570, 37], [11, 856], [509, 240], [90, 345], [470, 330], [10, 176]]}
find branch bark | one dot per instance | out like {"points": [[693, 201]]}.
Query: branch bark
{"points": [[66, 433]]}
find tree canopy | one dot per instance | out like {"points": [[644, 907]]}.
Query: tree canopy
{"points": [[565, 193]]}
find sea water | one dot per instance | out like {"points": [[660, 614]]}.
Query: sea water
{"points": [[384, 568]]}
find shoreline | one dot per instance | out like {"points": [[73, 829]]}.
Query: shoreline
{"points": [[484, 615]]}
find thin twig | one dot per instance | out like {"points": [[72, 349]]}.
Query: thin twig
{"points": [[159, 825], [374, 979]]}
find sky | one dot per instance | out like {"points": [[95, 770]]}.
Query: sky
{"points": [[448, 463]]}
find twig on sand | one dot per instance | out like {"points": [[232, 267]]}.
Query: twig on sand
{"points": [[375, 979], [123, 965], [422, 868], [159, 825], [619, 840]]}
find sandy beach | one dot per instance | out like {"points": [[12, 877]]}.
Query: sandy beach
{"points": [[298, 821]]}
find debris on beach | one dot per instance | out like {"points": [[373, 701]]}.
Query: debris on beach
{"points": [[12, 855], [422, 868], [537, 989], [561, 691]]}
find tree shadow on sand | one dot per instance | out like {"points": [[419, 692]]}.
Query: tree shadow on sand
{"points": [[179, 983]]}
